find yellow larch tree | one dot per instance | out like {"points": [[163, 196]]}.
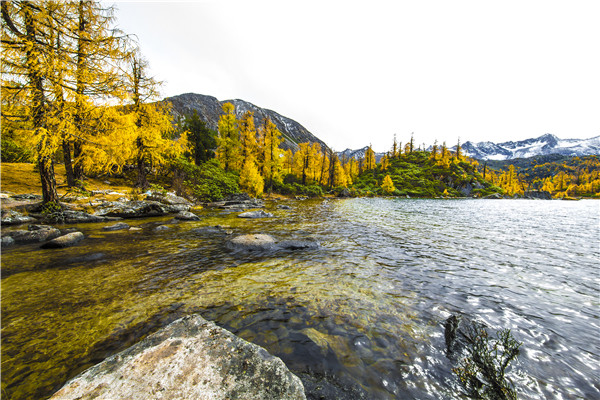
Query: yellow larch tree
{"points": [[228, 142], [248, 143], [369, 162], [387, 185], [271, 138], [250, 179]]}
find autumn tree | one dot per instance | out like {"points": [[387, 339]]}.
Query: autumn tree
{"points": [[250, 179], [228, 150], [248, 143], [152, 126], [369, 162], [388, 185], [25, 75], [270, 140]]}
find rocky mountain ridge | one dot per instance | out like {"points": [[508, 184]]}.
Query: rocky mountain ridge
{"points": [[543, 145], [209, 109]]}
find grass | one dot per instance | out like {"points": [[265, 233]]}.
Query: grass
{"points": [[21, 178]]}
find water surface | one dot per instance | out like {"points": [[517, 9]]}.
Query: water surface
{"points": [[361, 317]]}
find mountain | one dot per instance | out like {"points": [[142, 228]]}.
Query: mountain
{"points": [[543, 145], [210, 109], [357, 154]]}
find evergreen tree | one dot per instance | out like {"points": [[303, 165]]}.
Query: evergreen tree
{"points": [[201, 139]]}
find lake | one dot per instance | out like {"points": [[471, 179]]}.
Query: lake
{"points": [[361, 317]]}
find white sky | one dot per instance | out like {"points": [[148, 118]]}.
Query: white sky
{"points": [[358, 72]]}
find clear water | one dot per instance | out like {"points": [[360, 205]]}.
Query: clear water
{"points": [[361, 317]]}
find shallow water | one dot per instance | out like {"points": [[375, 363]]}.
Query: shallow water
{"points": [[361, 317]]}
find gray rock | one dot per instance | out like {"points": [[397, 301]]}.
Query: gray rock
{"points": [[189, 359], [33, 235], [7, 241], [168, 198], [252, 242], [493, 196], [11, 217], [27, 196], [255, 214], [187, 216], [70, 239], [284, 207], [75, 217], [138, 209], [537, 194], [116, 227], [161, 228]]}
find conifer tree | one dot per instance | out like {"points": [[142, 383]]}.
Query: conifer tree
{"points": [[25, 69], [248, 143], [369, 159], [201, 138], [271, 152], [388, 185], [250, 179], [228, 150]]}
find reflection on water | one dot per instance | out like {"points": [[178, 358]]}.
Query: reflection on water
{"points": [[361, 317]]}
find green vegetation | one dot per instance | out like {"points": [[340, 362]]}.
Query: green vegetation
{"points": [[418, 174], [208, 182], [482, 372]]}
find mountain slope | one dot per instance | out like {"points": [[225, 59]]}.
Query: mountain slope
{"points": [[543, 145], [209, 109]]}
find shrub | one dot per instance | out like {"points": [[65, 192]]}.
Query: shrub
{"points": [[482, 371], [208, 182]]}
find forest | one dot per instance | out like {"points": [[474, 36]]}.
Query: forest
{"points": [[76, 91]]}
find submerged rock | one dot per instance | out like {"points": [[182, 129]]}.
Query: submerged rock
{"points": [[116, 227], [189, 359], [264, 242], [7, 241], [255, 214], [161, 228], [252, 242], [70, 239]]}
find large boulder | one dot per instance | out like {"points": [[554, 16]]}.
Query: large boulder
{"points": [[167, 198], [255, 214], [68, 240], [189, 359], [12, 217]]}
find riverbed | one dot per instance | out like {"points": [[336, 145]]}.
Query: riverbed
{"points": [[360, 317]]}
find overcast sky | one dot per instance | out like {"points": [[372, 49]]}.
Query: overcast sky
{"points": [[358, 72]]}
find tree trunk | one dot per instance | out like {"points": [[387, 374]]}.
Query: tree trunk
{"points": [[46, 166], [68, 164], [77, 167]]}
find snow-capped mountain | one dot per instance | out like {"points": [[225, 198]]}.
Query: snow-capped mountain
{"points": [[357, 154], [543, 145]]}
